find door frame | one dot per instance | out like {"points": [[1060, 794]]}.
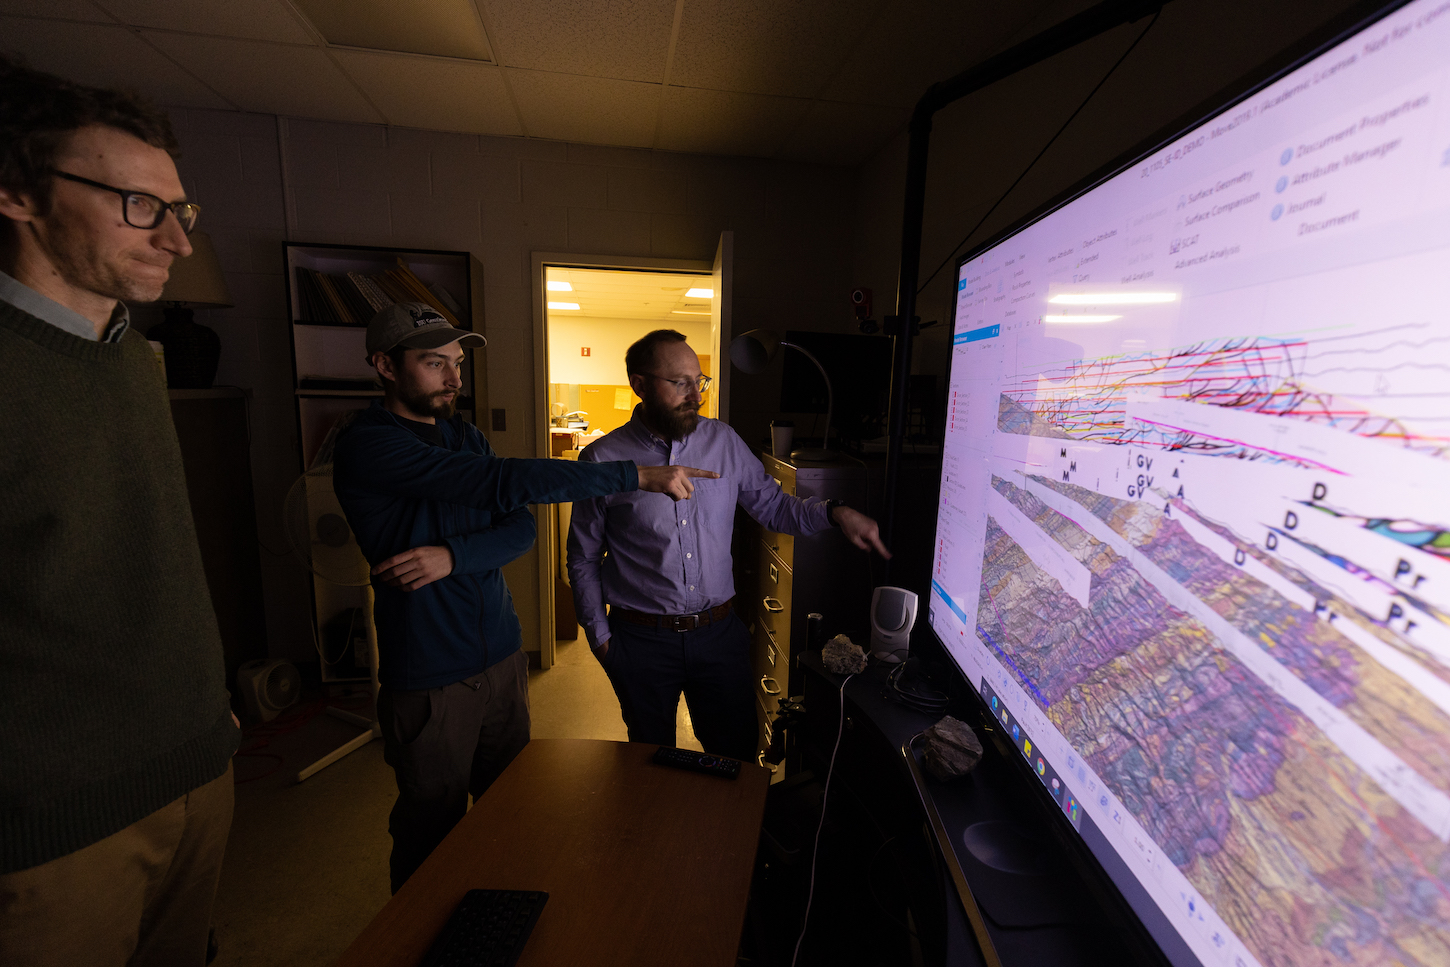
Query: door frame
{"points": [[548, 536]]}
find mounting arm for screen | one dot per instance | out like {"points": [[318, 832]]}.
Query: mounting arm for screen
{"points": [[1071, 32]]}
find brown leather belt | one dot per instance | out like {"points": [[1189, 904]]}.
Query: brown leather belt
{"points": [[673, 622]]}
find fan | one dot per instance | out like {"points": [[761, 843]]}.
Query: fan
{"points": [[268, 687], [321, 539]]}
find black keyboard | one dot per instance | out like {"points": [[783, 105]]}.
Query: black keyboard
{"points": [[489, 929]]}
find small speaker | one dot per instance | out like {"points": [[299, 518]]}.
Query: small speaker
{"points": [[893, 612], [268, 687]]}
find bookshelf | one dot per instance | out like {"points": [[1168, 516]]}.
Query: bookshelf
{"points": [[331, 375]]}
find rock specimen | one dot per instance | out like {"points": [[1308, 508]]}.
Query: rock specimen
{"points": [[950, 749], [842, 656]]}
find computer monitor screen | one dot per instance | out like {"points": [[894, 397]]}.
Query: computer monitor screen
{"points": [[1193, 549]]}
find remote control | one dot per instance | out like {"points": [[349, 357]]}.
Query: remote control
{"points": [[715, 765]]}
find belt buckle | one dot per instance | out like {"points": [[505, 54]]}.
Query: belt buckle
{"points": [[685, 622]]}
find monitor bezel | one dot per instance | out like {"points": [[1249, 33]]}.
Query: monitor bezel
{"points": [[1338, 29]]}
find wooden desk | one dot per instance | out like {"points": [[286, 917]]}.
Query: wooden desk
{"points": [[643, 864]]}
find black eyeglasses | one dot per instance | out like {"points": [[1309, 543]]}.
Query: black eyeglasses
{"points": [[140, 209], [699, 383]]}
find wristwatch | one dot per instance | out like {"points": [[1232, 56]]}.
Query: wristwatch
{"points": [[831, 505]]}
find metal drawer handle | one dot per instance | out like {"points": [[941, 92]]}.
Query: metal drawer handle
{"points": [[773, 605], [773, 688]]}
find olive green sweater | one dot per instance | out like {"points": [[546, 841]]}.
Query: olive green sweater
{"points": [[112, 694]]}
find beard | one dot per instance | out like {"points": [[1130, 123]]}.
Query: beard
{"points": [[437, 405], [673, 423]]}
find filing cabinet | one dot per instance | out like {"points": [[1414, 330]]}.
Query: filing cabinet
{"points": [[780, 579]]}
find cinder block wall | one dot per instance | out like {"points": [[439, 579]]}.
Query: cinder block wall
{"points": [[262, 179]]}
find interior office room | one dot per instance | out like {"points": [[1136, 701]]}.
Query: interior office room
{"points": [[783, 184]]}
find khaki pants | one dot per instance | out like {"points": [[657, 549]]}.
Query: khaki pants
{"points": [[139, 897]]}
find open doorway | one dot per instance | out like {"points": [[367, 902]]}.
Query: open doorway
{"points": [[592, 315]]}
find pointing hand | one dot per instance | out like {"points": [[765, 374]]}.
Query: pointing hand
{"points": [[674, 481]]}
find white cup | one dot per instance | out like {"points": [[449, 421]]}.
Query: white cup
{"points": [[782, 434]]}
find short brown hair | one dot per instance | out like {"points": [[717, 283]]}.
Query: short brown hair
{"points": [[640, 358], [39, 111]]}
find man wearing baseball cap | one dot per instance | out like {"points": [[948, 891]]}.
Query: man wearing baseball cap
{"points": [[437, 514]]}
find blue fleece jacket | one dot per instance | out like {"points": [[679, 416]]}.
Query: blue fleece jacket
{"points": [[399, 492]]}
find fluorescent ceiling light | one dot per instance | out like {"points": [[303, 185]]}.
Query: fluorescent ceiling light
{"points": [[1112, 298], [553, 286], [700, 294], [563, 305], [1080, 318], [687, 312]]}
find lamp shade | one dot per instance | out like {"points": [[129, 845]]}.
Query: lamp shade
{"points": [[197, 279], [751, 351]]}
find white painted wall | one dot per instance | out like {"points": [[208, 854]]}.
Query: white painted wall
{"points": [[607, 340]]}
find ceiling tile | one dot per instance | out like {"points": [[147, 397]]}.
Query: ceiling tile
{"points": [[105, 56], [252, 19], [269, 78], [915, 43], [626, 39], [843, 134], [766, 46], [443, 28], [719, 122], [434, 93], [594, 110], [82, 10]]}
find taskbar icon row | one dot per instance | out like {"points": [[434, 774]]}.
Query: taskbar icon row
{"points": [[1055, 785]]}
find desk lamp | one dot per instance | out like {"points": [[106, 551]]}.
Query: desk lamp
{"points": [[752, 351], [192, 350]]}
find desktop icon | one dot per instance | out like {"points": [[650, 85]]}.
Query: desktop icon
{"points": [[1041, 767], [1275, 212], [994, 703], [1287, 156], [1015, 733], [1027, 747], [1282, 183]]}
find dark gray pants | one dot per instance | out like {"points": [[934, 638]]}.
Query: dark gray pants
{"points": [[445, 744], [650, 667]]}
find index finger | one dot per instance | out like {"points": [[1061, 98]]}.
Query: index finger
{"points": [[880, 547], [692, 472]]}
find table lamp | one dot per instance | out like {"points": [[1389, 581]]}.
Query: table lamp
{"points": [[192, 350], [752, 351]]}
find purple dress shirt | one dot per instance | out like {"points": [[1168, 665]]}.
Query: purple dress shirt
{"points": [[668, 557]]}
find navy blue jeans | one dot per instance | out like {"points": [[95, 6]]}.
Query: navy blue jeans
{"points": [[650, 667]]}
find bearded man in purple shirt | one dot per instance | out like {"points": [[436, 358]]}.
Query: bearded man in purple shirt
{"points": [[666, 575]]}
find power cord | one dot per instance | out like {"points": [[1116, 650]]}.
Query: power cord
{"points": [[952, 254], [825, 793], [913, 694]]}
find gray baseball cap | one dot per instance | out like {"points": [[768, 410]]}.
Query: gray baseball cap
{"points": [[416, 326]]}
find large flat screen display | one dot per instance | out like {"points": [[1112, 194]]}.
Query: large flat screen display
{"points": [[1194, 537]]}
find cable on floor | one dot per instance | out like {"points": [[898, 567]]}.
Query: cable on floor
{"points": [[825, 793]]}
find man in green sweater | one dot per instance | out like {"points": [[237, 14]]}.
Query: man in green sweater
{"points": [[115, 733]]}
